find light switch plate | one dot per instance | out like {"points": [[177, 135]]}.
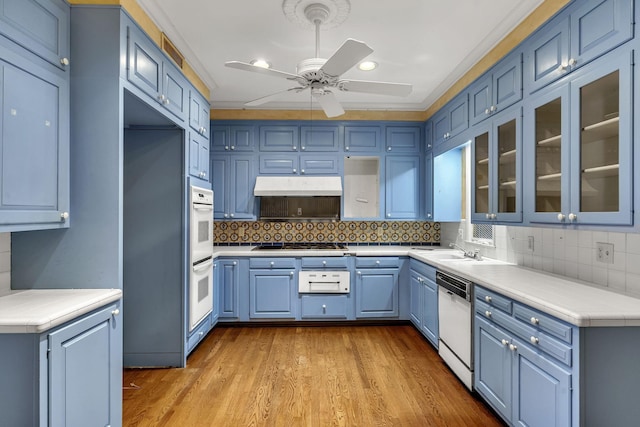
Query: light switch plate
{"points": [[604, 252]]}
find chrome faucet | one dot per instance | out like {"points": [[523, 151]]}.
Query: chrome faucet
{"points": [[475, 254]]}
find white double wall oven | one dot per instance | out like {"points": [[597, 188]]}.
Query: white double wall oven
{"points": [[200, 255]]}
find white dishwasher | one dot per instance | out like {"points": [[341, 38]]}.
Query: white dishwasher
{"points": [[455, 323]]}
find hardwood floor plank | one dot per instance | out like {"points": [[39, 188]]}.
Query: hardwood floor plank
{"points": [[305, 376]]}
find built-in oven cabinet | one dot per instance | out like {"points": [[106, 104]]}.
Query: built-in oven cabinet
{"points": [[578, 147], [423, 293], [273, 285], [377, 287]]}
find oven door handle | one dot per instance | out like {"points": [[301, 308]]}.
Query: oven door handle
{"points": [[203, 266], [201, 207]]}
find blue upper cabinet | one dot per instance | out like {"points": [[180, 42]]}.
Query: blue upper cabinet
{"points": [[232, 137], [319, 138], [402, 187], [428, 136], [591, 30], [279, 138], [451, 119], [360, 139], [578, 160], [40, 26], [403, 139], [198, 113], [232, 179], [497, 90], [155, 75], [198, 156], [34, 126]]}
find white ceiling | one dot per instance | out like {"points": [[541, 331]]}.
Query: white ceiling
{"points": [[427, 43]]}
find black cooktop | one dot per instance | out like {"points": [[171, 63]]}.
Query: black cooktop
{"points": [[316, 246]]}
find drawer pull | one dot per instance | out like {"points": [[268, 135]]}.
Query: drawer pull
{"points": [[513, 347], [505, 342], [535, 321], [534, 340], [487, 313], [487, 299], [115, 312]]}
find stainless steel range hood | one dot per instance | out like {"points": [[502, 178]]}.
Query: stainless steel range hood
{"points": [[302, 198], [298, 186]]}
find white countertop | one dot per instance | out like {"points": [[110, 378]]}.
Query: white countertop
{"points": [[38, 310], [579, 303]]}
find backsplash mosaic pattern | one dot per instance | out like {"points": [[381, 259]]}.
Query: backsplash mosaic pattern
{"points": [[352, 232]]}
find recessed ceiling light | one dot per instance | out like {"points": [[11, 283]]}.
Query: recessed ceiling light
{"points": [[367, 65], [260, 63]]}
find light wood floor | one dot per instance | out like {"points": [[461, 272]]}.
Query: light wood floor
{"points": [[305, 376]]}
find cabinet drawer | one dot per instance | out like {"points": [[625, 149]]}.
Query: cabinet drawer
{"points": [[373, 262], [198, 333], [543, 322], [324, 262], [272, 263], [493, 300], [324, 306], [423, 269]]}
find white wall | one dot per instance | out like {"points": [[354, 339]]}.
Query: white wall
{"points": [[5, 263], [569, 253]]}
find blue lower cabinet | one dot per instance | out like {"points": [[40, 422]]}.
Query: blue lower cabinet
{"points": [[377, 292], [324, 306], [228, 278], [198, 333], [423, 306], [272, 294]]}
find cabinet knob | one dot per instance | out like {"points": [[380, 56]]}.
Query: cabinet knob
{"points": [[226, 215], [505, 342], [324, 306], [428, 215], [271, 263], [226, 147], [232, 215], [166, 101], [572, 62], [161, 98], [302, 171], [346, 148], [294, 148], [428, 145], [295, 170], [64, 61], [487, 313], [233, 147], [303, 148], [420, 279], [561, 217], [324, 263], [64, 216], [492, 108], [494, 216], [377, 262], [513, 347], [388, 148], [234, 263], [291, 273], [573, 217], [487, 298], [115, 312], [534, 340], [535, 321], [486, 111], [359, 273], [488, 216], [388, 215]]}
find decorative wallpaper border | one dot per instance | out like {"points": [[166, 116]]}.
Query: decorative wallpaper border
{"points": [[351, 232]]}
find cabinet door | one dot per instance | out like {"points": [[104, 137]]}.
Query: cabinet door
{"points": [[458, 115], [547, 56], [313, 164], [240, 193], [428, 136], [507, 83], [35, 147], [541, 390], [219, 175], [416, 295], [362, 139], [601, 176], [279, 164], [228, 280], [145, 64], [220, 137], [203, 158], [481, 208], [40, 26], [493, 366], [377, 292], [428, 186], [198, 156], [319, 138], [196, 105], [241, 137], [480, 97], [174, 91], [85, 371], [272, 294], [441, 127], [402, 187], [279, 138], [403, 139], [430, 327]]}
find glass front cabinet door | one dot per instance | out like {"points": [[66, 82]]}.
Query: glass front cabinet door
{"points": [[579, 162], [496, 170]]}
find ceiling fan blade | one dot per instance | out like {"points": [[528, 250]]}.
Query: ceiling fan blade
{"points": [[379, 88], [271, 97], [329, 104], [349, 54], [266, 71]]}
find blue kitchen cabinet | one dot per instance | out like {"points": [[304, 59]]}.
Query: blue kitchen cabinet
{"points": [[424, 300], [320, 137], [232, 137], [199, 159], [151, 72], [199, 113], [279, 138], [228, 277], [496, 169], [68, 376], [377, 287], [303, 164], [325, 306], [198, 333], [402, 187], [428, 136], [233, 178], [498, 89], [585, 178], [403, 139], [572, 40], [359, 139], [40, 26], [34, 131], [451, 120], [273, 288]]}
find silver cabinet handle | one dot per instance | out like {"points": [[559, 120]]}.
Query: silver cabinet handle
{"points": [[573, 217], [64, 216], [505, 342], [561, 217], [234, 263]]}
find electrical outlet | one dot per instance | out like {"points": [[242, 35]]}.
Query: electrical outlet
{"points": [[530, 243], [604, 252]]}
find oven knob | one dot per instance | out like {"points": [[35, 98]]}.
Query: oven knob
{"points": [[487, 313], [487, 298]]}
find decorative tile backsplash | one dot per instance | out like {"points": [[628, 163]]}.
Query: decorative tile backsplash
{"points": [[350, 232]]}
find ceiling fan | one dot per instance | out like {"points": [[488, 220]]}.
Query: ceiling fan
{"points": [[322, 76]]}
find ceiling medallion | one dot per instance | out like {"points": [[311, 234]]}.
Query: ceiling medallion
{"points": [[297, 11]]}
